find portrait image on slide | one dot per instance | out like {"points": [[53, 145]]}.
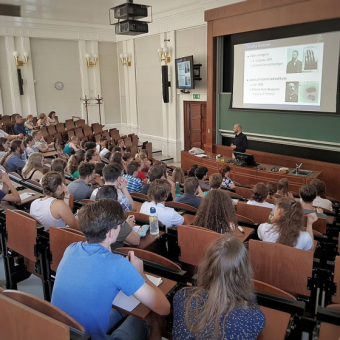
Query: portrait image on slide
{"points": [[292, 90], [294, 63]]}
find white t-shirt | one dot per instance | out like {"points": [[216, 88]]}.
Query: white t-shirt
{"points": [[263, 204], [168, 216], [103, 152], [3, 133], [323, 203], [304, 240]]}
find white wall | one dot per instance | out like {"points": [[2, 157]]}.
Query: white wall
{"points": [[5, 92], [57, 60], [110, 81]]}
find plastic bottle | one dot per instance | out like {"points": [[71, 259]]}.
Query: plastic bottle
{"points": [[178, 190], [153, 221]]}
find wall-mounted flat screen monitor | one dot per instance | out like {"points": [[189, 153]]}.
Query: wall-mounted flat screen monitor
{"points": [[185, 73]]}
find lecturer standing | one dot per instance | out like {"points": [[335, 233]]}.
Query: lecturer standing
{"points": [[241, 142]]}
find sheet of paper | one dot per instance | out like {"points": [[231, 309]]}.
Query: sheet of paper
{"points": [[136, 228], [202, 155], [129, 303], [25, 195], [235, 200]]}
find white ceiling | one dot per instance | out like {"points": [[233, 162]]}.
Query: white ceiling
{"points": [[96, 11]]}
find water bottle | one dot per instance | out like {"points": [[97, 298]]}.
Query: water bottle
{"points": [[178, 190], [153, 221]]}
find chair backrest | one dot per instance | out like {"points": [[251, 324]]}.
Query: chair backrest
{"points": [[114, 133], [329, 331], [52, 130], [97, 137], [79, 132], [269, 289], [44, 132], [254, 212], [233, 194], [80, 123], [193, 242], [70, 133], [276, 324], [87, 130], [60, 127], [241, 218], [148, 147], [106, 134], [282, 266], [181, 206], [244, 192], [334, 306], [128, 142], [87, 201], [43, 307], [149, 256], [133, 149], [60, 239], [140, 196], [134, 140], [141, 218], [27, 321], [97, 128], [21, 233], [319, 225], [69, 123], [336, 279], [71, 202]]}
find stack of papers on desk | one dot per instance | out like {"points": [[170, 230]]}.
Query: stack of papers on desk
{"points": [[129, 303], [25, 195], [202, 155]]}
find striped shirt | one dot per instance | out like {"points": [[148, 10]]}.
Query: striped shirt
{"points": [[134, 184]]}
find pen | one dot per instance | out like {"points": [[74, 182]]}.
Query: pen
{"points": [[240, 229]]}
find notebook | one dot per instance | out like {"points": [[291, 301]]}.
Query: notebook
{"points": [[25, 195], [129, 303]]}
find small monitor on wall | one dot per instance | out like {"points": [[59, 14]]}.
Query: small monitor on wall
{"points": [[185, 73]]}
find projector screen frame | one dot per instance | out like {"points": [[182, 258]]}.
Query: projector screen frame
{"points": [[318, 27]]}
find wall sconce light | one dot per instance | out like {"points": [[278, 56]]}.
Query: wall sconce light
{"points": [[124, 58], [164, 54], [19, 62], [88, 59]]}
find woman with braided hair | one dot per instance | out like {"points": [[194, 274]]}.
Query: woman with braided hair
{"points": [[53, 209]]}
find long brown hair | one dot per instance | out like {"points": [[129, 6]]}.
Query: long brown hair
{"points": [[282, 187], [34, 163], [16, 143], [224, 283], [290, 223], [216, 212]]}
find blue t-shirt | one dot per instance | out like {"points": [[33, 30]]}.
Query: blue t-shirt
{"points": [[19, 128], [68, 150], [241, 323], [88, 279], [14, 162]]}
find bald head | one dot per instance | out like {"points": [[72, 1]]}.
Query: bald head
{"points": [[237, 129]]}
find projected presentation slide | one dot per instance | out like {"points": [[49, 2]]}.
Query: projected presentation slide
{"points": [[297, 73], [183, 71]]}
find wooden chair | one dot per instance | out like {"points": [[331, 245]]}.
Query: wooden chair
{"points": [[319, 225], [128, 142], [87, 131], [60, 127], [79, 123], [69, 124], [106, 134], [140, 197], [134, 139], [71, 202], [58, 138], [114, 133], [31, 322], [181, 206], [254, 212], [70, 133], [43, 307], [60, 239], [276, 324], [52, 130], [336, 279], [97, 128], [133, 150], [335, 307], [241, 219], [97, 137], [193, 242], [281, 266], [233, 195], [141, 218], [87, 201], [149, 256], [79, 133], [244, 192], [148, 148], [269, 289]]}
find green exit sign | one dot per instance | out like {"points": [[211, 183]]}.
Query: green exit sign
{"points": [[196, 96]]}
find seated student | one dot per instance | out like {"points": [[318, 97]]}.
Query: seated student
{"points": [[7, 187], [28, 125], [112, 176], [145, 162], [4, 146], [226, 181], [127, 158], [201, 174], [121, 146], [82, 147], [321, 200], [140, 174], [106, 150], [282, 189], [192, 170], [157, 172], [34, 168], [42, 120], [59, 165], [158, 193], [260, 193], [101, 145], [285, 226], [222, 305], [192, 193], [216, 212], [87, 297], [215, 181], [134, 184], [90, 146], [126, 233], [7, 136], [73, 164], [98, 169], [92, 157], [28, 144], [18, 126], [12, 160], [53, 209], [80, 188], [307, 196], [39, 142], [178, 176], [52, 119], [72, 146], [272, 189]]}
